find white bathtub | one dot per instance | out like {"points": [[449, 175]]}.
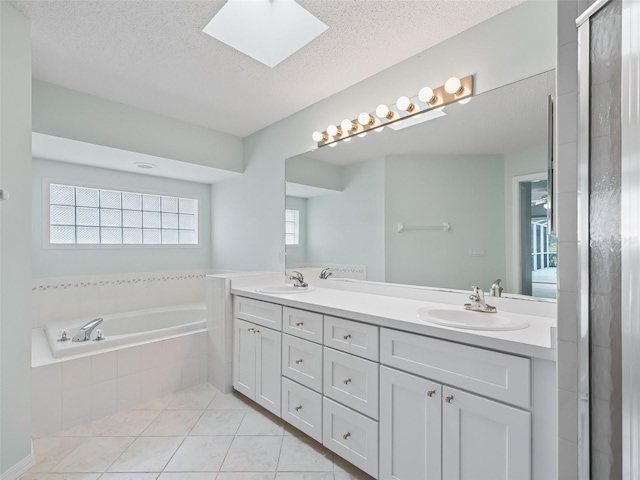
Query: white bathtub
{"points": [[128, 328]]}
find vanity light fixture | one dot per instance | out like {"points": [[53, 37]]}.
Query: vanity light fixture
{"points": [[429, 100]]}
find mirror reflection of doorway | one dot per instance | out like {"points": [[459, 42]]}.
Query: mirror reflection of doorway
{"points": [[538, 249]]}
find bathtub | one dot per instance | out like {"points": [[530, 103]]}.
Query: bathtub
{"points": [[128, 328]]}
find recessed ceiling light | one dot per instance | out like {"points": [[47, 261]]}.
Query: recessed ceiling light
{"points": [[267, 30], [146, 166]]}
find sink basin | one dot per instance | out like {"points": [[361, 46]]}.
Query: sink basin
{"points": [[283, 289], [460, 318]]}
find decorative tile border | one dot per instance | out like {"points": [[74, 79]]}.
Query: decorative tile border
{"points": [[83, 282]]}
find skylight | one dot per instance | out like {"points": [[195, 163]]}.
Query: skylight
{"points": [[267, 30]]}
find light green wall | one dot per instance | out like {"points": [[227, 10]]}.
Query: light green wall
{"points": [[467, 191], [297, 254], [50, 262], [308, 171], [512, 46], [75, 115], [15, 252]]}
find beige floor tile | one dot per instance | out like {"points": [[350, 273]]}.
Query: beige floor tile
{"points": [[157, 404], [200, 454], [301, 454], [245, 476], [188, 476], [129, 476], [147, 454], [253, 454], [194, 398], [49, 451], [260, 422], [94, 454], [173, 423], [127, 423], [304, 476], [60, 476], [228, 401], [215, 422]]}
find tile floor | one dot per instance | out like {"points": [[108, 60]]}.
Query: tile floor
{"points": [[196, 434]]}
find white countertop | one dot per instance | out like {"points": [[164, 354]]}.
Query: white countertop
{"points": [[400, 314]]}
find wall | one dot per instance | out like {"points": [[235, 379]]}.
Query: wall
{"points": [[517, 164], [492, 51], [348, 227], [15, 252], [71, 114], [58, 262], [467, 191], [308, 171], [297, 254]]}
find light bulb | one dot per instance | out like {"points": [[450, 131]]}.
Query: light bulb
{"points": [[334, 131], [363, 134], [464, 101], [379, 129], [318, 136], [453, 86], [365, 119], [347, 139], [383, 112], [404, 103], [333, 144], [347, 125], [426, 95]]}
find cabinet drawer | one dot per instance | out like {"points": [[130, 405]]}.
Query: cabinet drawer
{"points": [[352, 436], [302, 408], [302, 362], [351, 337], [303, 324], [497, 375], [352, 381], [263, 313]]}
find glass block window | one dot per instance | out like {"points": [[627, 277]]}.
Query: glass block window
{"points": [[82, 215], [291, 227]]}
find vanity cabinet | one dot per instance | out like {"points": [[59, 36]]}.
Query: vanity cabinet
{"points": [[431, 431], [257, 352]]}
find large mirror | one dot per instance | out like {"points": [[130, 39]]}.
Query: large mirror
{"points": [[450, 202]]}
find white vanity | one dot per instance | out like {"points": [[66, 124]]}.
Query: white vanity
{"points": [[398, 397]]}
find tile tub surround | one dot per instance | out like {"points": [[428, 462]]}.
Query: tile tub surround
{"points": [[62, 298], [195, 434], [74, 391]]}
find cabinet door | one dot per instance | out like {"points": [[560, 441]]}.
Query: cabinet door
{"points": [[410, 427], [483, 439], [268, 364], [244, 358]]}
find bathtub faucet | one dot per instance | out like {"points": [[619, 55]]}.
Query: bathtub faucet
{"points": [[84, 334]]}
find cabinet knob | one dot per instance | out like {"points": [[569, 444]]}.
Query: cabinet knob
{"points": [[252, 330], [299, 361], [298, 408], [347, 381], [346, 435], [431, 393], [256, 331], [299, 324], [347, 337], [448, 398]]}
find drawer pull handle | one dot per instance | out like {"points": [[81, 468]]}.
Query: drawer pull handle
{"points": [[298, 361], [431, 393], [346, 435], [299, 324], [347, 381], [448, 398], [347, 337], [298, 408]]}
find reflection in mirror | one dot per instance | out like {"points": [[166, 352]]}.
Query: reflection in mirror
{"points": [[455, 201]]}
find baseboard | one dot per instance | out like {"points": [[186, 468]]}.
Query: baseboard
{"points": [[20, 468]]}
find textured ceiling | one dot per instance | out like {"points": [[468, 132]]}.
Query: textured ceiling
{"points": [[153, 54]]}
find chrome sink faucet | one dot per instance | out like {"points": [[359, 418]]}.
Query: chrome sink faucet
{"points": [[298, 280], [477, 302], [496, 289], [84, 334], [324, 274]]}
